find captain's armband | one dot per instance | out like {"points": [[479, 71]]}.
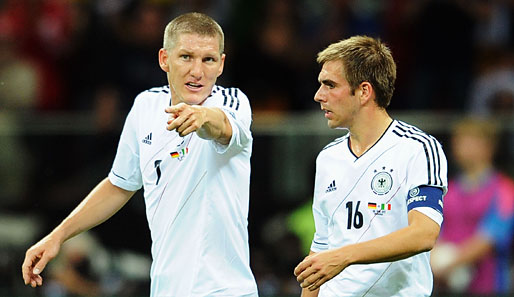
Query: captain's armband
{"points": [[425, 196]]}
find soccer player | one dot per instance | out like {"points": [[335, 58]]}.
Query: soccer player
{"points": [[188, 144], [378, 190]]}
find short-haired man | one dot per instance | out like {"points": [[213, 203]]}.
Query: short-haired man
{"points": [[188, 145], [378, 189]]}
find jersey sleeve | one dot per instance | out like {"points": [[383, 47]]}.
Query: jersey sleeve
{"points": [[320, 240], [125, 172], [238, 111], [428, 169]]}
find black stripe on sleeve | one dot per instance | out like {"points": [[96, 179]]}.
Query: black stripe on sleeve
{"points": [[225, 97], [432, 150], [231, 101], [237, 97], [429, 182]]}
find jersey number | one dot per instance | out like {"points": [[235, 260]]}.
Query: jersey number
{"points": [[357, 219], [157, 165]]}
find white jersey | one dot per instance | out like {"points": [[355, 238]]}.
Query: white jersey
{"points": [[359, 199], [196, 194]]}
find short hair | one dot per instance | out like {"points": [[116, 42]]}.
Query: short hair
{"points": [[193, 23], [364, 59]]}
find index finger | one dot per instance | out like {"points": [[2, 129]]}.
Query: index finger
{"points": [[27, 266], [302, 266], [175, 108]]}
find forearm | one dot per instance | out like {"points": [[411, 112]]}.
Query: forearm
{"points": [[101, 203], [420, 235], [216, 126], [398, 245]]}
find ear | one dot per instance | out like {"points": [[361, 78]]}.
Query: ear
{"points": [[222, 64], [163, 60], [366, 92]]}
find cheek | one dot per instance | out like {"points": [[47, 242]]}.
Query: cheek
{"points": [[212, 72]]}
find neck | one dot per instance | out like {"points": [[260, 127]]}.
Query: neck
{"points": [[368, 129]]}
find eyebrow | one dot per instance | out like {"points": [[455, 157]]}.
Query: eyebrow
{"points": [[327, 81]]}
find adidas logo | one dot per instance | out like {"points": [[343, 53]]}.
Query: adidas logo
{"points": [[332, 187], [148, 139]]}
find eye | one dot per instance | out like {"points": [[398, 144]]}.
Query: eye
{"points": [[329, 84], [185, 57], [209, 59]]}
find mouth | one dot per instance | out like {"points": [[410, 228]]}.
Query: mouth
{"points": [[327, 112], [194, 86]]}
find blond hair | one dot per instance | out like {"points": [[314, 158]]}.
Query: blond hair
{"points": [[193, 23], [364, 59]]}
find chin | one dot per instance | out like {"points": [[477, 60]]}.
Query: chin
{"points": [[195, 100], [332, 125]]}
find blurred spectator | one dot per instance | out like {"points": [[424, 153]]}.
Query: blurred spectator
{"points": [[474, 248]]}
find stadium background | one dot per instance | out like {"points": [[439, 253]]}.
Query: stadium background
{"points": [[70, 69]]}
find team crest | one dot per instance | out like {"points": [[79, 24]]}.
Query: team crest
{"points": [[382, 182]]}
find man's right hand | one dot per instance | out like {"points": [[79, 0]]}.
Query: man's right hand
{"points": [[36, 259]]}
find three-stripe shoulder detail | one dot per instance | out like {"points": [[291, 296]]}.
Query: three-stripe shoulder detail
{"points": [[230, 97], [430, 146]]}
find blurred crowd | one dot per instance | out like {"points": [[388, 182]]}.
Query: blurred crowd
{"points": [[95, 56]]}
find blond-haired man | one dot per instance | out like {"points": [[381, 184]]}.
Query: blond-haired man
{"points": [[378, 189], [188, 144]]}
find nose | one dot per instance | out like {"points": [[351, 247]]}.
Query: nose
{"points": [[318, 97], [196, 69]]}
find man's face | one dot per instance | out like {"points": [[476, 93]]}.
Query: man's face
{"points": [[193, 65], [334, 96]]}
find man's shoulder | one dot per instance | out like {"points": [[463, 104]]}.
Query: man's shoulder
{"points": [[153, 95], [334, 144], [154, 92], [228, 97], [412, 135]]}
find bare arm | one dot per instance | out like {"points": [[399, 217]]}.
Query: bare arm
{"points": [[103, 202], [419, 236], [208, 122]]}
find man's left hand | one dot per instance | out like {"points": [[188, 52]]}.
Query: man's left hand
{"points": [[318, 268]]}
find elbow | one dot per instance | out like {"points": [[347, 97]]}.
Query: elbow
{"points": [[427, 240]]}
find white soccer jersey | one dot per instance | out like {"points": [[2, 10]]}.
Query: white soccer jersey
{"points": [[359, 199], [196, 194]]}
